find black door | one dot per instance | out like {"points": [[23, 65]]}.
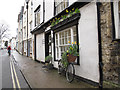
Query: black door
{"points": [[47, 44]]}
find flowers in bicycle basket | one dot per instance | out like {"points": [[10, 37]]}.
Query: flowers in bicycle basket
{"points": [[70, 55], [73, 49], [72, 52]]}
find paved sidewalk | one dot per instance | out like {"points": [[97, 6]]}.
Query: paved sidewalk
{"points": [[38, 77]]}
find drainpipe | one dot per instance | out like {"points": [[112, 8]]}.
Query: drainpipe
{"points": [[99, 46]]}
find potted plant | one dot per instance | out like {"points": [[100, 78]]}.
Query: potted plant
{"points": [[72, 52], [48, 62], [48, 59]]}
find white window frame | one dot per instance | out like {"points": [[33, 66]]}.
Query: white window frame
{"points": [[59, 46], [60, 5], [116, 19]]}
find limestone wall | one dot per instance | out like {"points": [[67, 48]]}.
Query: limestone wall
{"points": [[110, 49]]}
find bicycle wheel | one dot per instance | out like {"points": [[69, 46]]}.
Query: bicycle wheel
{"points": [[59, 67], [70, 72]]}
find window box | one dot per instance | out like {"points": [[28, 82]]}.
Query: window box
{"points": [[66, 21]]}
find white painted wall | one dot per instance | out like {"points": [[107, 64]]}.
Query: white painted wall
{"points": [[72, 1], [116, 17], [40, 47], [49, 9], [88, 39]]}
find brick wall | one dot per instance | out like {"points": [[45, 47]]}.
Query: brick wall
{"points": [[110, 49]]}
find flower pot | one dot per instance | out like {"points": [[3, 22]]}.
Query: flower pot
{"points": [[71, 58]]}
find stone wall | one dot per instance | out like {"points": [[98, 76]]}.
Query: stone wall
{"points": [[110, 48]]}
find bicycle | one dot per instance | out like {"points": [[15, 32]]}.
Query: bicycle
{"points": [[69, 70]]}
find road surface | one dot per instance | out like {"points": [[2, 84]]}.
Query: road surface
{"points": [[11, 74]]}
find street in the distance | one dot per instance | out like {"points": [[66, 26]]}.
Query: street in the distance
{"points": [[11, 75]]}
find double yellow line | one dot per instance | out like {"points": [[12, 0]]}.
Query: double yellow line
{"points": [[14, 74]]}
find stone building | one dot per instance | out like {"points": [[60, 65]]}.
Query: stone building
{"points": [[110, 40]]}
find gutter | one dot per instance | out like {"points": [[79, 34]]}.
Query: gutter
{"points": [[99, 46]]}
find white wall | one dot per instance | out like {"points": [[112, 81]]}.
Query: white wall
{"points": [[72, 1], [40, 47], [88, 38], [49, 9]]}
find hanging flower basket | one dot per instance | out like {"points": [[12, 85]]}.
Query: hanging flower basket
{"points": [[71, 58]]}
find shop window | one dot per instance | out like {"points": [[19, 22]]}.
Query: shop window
{"points": [[61, 41]]}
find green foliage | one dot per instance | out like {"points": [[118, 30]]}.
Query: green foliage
{"points": [[69, 14], [48, 58], [64, 17], [57, 21], [53, 23], [77, 10], [64, 59], [73, 50]]}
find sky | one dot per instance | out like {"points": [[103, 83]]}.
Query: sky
{"points": [[9, 10]]}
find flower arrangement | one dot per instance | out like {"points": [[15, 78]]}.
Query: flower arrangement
{"points": [[73, 49], [69, 14], [71, 54]]}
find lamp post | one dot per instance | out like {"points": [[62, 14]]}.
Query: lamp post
{"points": [[27, 24]]}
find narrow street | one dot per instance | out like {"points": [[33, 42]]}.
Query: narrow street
{"points": [[11, 75], [39, 77]]}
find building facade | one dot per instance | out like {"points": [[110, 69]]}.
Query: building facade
{"points": [[72, 29], [20, 31], [94, 26], [27, 27]]}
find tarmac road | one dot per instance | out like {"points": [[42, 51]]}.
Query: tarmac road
{"points": [[11, 74]]}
